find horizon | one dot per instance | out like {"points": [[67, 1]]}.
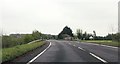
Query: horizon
{"points": [[53, 34]]}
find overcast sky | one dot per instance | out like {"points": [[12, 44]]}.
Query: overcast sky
{"points": [[51, 16]]}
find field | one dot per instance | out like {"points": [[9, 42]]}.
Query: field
{"points": [[104, 42], [13, 52]]}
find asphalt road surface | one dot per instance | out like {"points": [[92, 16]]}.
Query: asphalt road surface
{"points": [[73, 51], [110, 54]]}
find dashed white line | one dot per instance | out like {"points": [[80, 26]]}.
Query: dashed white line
{"points": [[98, 58], [73, 45], [81, 48], [39, 54], [94, 55]]}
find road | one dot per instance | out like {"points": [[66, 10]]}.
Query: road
{"points": [[110, 54], [73, 51]]}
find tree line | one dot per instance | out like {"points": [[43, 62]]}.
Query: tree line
{"points": [[67, 32], [88, 36], [19, 39]]}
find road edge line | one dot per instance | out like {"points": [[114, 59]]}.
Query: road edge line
{"points": [[100, 45], [109, 46], [98, 57], [39, 54]]}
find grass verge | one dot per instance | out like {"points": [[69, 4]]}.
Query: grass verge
{"points": [[104, 42], [13, 52]]}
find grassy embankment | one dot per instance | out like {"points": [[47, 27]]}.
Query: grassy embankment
{"points": [[13, 52], [104, 42]]}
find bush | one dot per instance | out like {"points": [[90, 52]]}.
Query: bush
{"points": [[28, 38], [8, 41], [18, 39], [116, 37]]}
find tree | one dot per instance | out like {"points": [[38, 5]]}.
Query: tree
{"points": [[94, 34], [116, 37], [36, 35], [6, 41], [79, 34], [28, 38], [66, 30], [109, 37], [10, 41]]}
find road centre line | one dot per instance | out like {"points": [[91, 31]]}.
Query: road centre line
{"points": [[98, 57], [73, 45], [81, 48], [70, 43], [94, 55]]}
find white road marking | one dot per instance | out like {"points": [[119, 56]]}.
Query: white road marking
{"points": [[39, 54], [92, 44], [98, 58], [73, 45], [70, 43], [102, 45], [109, 46], [81, 48]]}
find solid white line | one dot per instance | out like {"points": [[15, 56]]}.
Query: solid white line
{"points": [[92, 43], [98, 58], [81, 48], [39, 54], [109, 46], [102, 45]]}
